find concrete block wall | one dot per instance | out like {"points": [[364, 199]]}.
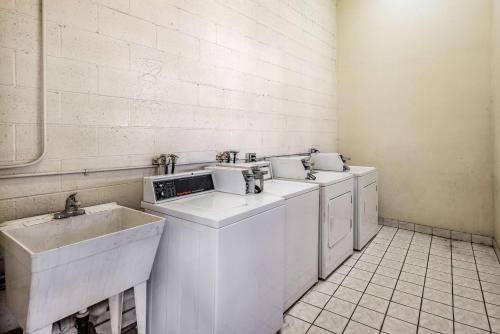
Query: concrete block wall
{"points": [[128, 79]]}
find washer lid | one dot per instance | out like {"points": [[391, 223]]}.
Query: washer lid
{"points": [[217, 209], [361, 170], [288, 189], [328, 178]]}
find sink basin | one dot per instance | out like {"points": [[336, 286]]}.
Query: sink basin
{"points": [[54, 268]]}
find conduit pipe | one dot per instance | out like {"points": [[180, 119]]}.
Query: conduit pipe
{"points": [[112, 169], [43, 119]]}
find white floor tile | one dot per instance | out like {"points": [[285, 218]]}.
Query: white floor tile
{"points": [[331, 321], [412, 278], [360, 274], [406, 299], [355, 283], [386, 281], [316, 298], [438, 285], [354, 327], [396, 326], [471, 319], [436, 323], [491, 287], [304, 311], [403, 312], [380, 289], [493, 310], [317, 330], [336, 278], [492, 298], [340, 307], [374, 303], [368, 317], [293, 325], [412, 289], [469, 304], [495, 325], [467, 282], [326, 287], [440, 309], [467, 292], [464, 329], [465, 273], [438, 296]]}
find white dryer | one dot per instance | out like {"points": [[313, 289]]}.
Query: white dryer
{"points": [[301, 230], [365, 194], [365, 204], [219, 267], [336, 209]]}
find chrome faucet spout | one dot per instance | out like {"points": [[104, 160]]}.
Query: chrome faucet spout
{"points": [[72, 208]]}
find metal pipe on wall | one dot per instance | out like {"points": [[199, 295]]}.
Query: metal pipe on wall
{"points": [[43, 119], [113, 169]]}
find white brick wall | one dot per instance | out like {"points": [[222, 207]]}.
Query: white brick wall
{"points": [[128, 79]]}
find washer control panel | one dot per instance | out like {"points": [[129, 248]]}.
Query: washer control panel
{"points": [[183, 186]]}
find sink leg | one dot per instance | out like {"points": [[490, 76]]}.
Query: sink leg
{"points": [[115, 313], [140, 306], [45, 330]]}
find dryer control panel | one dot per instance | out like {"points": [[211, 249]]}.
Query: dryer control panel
{"points": [[162, 188]]}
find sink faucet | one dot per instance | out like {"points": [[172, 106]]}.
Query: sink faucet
{"points": [[72, 208]]}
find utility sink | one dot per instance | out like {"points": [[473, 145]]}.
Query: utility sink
{"points": [[54, 268]]}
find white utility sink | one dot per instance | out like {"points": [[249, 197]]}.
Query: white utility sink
{"points": [[54, 268]]}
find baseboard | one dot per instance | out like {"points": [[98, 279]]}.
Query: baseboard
{"points": [[495, 247], [439, 232]]}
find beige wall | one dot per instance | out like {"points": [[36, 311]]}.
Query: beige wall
{"points": [[414, 100], [129, 79], [496, 110]]}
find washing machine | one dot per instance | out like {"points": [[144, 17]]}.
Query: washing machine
{"points": [[336, 208], [365, 194], [219, 268], [301, 230]]}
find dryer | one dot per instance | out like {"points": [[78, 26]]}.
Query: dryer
{"points": [[301, 229], [220, 263], [365, 204], [336, 209], [365, 194]]}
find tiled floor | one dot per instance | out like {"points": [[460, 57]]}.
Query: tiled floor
{"points": [[405, 282]]}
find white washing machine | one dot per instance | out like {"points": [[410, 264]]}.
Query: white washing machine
{"points": [[301, 230], [220, 264], [336, 209], [365, 194]]}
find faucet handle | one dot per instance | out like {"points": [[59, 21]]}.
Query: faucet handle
{"points": [[72, 201], [173, 157]]}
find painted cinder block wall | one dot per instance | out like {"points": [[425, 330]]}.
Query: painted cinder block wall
{"points": [[128, 79], [415, 101]]}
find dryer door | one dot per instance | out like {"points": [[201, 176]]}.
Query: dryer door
{"points": [[369, 214], [339, 218]]}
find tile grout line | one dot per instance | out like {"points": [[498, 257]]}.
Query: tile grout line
{"points": [[387, 246], [373, 274], [370, 281], [482, 291], [399, 275], [425, 279], [338, 286]]}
